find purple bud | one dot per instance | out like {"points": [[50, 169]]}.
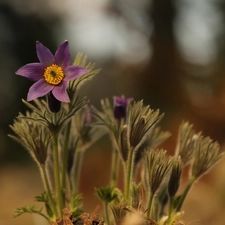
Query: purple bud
{"points": [[120, 107], [53, 103]]}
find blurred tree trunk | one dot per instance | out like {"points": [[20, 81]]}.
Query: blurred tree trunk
{"points": [[160, 81]]}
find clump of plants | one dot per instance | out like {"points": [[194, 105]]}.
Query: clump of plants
{"points": [[59, 127]]}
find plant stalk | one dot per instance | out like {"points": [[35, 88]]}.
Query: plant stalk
{"points": [[149, 208], [65, 158], [48, 190], [106, 213], [129, 174], [115, 167], [183, 196], [57, 175]]}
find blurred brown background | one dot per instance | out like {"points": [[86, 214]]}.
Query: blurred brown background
{"points": [[171, 53]]}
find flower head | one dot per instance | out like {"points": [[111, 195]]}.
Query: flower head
{"points": [[52, 74], [120, 108], [34, 138], [205, 156], [157, 166]]}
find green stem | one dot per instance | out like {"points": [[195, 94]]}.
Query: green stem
{"points": [[129, 174], [77, 163], [64, 166], [106, 213], [170, 212], [173, 215], [149, 208], [115, 167], [155, 214], [48, 190], [57, 175], [183, 196]]}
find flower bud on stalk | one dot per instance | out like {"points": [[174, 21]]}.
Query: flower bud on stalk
{"points": [[53, 103], [120, 108], [174, 181]]}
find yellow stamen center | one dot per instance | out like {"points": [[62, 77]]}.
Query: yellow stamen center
{"points": [[54, 74]]}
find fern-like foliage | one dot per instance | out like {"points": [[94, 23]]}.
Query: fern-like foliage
{"points": [[43, 197], [29, 209], [81, 60]]}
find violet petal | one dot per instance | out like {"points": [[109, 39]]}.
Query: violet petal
{"points": [[73, 72], [44, 55], [62, 55], [39, 89], [60, 93], [118, 100], [122, 100], [33, 71]]}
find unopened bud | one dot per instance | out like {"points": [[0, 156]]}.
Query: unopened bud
{"points": [[53, 103]]}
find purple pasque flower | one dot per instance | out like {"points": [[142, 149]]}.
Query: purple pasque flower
{"points": [[52, 74], [120, 107]]}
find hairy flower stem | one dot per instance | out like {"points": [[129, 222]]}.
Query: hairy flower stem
{"points": [[106, 213], [170, 213], [157, 207], [48, 190], [183, 196], [149, 208], [64, 166], [57, 175], [77, 163], [129, 174], [115, 167]]}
